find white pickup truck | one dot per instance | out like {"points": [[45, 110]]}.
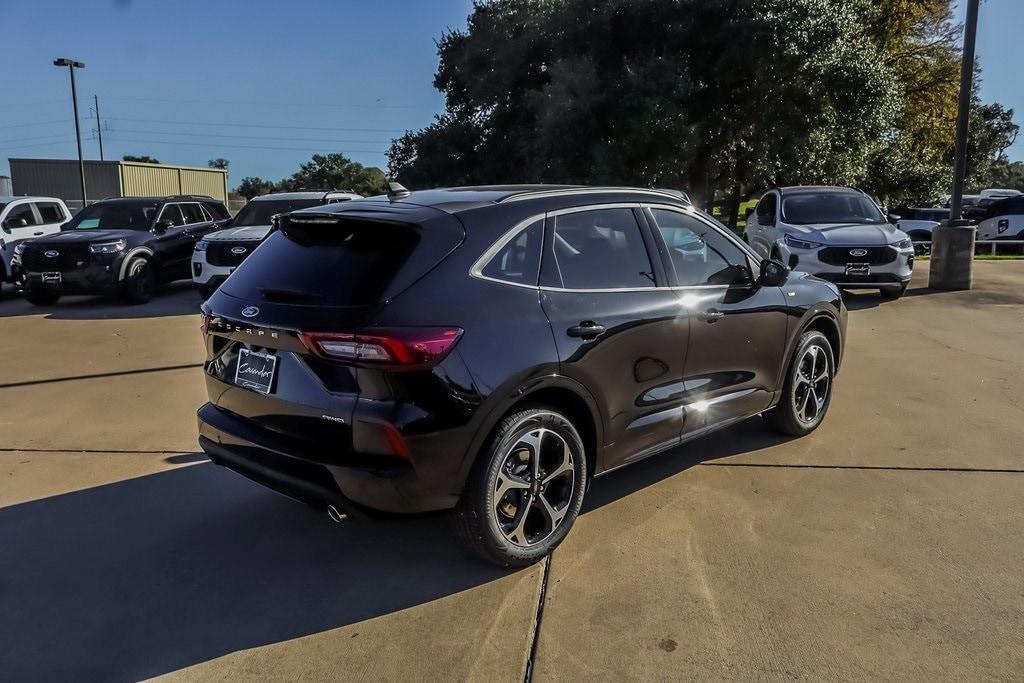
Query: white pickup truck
{"points": [[26, 218]]}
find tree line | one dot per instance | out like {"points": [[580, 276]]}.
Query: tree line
{"points": [[710, 96]]}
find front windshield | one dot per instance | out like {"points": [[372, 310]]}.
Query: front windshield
{"points": [[829, 207], [259, 212], [114, 216]]}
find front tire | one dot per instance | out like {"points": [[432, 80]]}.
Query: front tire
{"points": [[140, 281], [525, 490], [807, 392]]}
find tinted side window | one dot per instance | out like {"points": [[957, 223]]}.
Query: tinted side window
{"points": [[519, 260], [51, 212], [171, 213], [700, 254], [601, 249], [192, 213], [23, 211]]}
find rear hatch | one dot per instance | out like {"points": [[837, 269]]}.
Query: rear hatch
{"points": [[324, 272]]}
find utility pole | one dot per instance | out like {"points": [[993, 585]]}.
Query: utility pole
{"points": [[964, 112], [952, 259], [99, 124], [72, 65]]}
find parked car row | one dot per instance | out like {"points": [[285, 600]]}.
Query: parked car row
{"points": [[131, 245]]}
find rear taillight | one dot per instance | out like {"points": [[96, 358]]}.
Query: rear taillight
{"points": [[398, 346]]}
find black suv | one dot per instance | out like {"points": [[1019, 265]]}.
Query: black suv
{"points": [[126, 245], [490, 349]]}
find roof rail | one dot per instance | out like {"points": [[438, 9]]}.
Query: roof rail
{"points": [[189, 196], [560, 192]]}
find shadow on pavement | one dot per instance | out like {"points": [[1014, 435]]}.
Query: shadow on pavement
{"points": [[176, 298], [149, 575]]}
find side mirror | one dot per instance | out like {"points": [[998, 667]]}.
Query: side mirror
{"points": [[893, 217], [765, 220], [163, 226], [735, 275], [12, 223], [773, 273]]}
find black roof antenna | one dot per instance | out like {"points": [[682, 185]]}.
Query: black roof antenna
{"points": [[396, 190]]}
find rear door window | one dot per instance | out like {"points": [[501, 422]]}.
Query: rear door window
{"points": [[51, 212], [601, 249], [518, 261]]}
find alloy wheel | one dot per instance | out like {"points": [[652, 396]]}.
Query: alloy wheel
{"points": [[534, 487], [811, 385]]}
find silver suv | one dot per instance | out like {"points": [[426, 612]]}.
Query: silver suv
{"points": [[835, 233]]}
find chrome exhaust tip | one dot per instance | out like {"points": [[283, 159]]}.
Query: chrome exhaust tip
{"points": [[335, 514]]}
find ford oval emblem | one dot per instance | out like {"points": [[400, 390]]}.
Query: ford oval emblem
{"points": [[250, 312], [858, 252], [52, 253], [238, 250]]}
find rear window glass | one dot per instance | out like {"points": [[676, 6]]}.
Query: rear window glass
{"points": [[345, 264], [50, 212], [601, 249]]}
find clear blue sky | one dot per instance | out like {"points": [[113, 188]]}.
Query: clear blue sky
{"points": [[265, 84]]}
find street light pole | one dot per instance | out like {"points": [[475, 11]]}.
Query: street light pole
{"points": [[952, 259], [72, 65]]}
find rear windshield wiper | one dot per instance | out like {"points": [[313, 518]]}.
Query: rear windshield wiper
{"points": [[288, 295]]}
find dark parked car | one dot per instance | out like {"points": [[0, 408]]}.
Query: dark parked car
{"points": [[126, 245], [491, 349]]}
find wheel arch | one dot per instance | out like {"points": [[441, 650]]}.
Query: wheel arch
{"points": [[145, 252], [828, 326], [554, 391]]}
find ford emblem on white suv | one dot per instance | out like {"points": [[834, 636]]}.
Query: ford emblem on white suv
{"points": [[51, 253], [250, 312], [238, 250], [858, 252]]}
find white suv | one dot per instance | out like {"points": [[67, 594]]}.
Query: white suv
{"points": [[835, 233], [218, 254], [25, 218]]}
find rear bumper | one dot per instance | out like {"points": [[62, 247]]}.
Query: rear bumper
{"points": [[352, 485]]}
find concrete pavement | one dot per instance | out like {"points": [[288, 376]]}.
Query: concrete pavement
{"points": [[886, 544]]}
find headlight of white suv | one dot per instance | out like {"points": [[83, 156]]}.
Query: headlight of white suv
{"points": [[19, 249], [201, 245], [904, 244], [108, 247], [801, 244]]}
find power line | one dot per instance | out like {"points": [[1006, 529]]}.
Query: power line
{"points": [[210, 145], [35, 123], [35, 137], [66, 141], [255, 125], [246, 137], [266, 103]]}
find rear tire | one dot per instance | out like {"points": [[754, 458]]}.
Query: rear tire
{"points": [[41, 297], [525, 490], [807, 392], [139, 281], [895, 292]]}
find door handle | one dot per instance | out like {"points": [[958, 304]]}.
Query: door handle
{"points": [[711, 316], [37, 234], [587, 329]]}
